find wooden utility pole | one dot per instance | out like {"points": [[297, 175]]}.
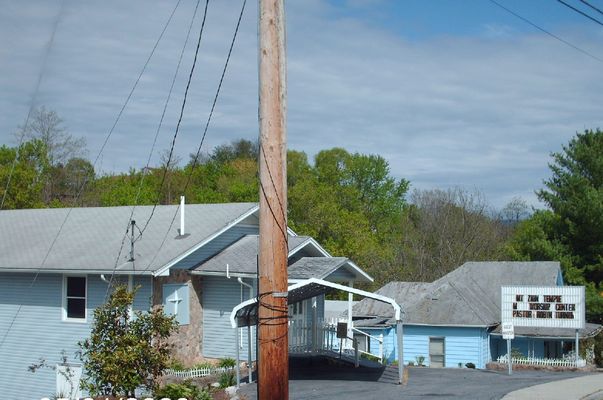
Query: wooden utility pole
{"points": [[273, 354]]}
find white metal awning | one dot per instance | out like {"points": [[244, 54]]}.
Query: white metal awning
{"points": [[245, 314]]}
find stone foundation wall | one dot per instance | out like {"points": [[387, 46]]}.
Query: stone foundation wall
{"points": [[187, 339]]}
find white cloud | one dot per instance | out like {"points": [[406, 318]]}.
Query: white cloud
{"points": [[481, 111]]}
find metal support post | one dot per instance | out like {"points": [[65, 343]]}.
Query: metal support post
{"points": [[249, 355], [400, 343], [238, 367], [509, 356], [577, 348]]}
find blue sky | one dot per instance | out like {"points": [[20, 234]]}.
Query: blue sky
{"points": [[451, 93]]}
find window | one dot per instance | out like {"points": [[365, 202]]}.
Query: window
{"points": [[74, 306]]}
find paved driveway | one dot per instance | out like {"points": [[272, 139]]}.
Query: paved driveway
{"points": [[322, 379]]}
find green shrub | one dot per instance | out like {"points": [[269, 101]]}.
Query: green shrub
{"points": [[177, 365], [516, 353], [369, 357], [411, 363], [203, 365], [182, 390], [227, 363], [420, 360], [227, 379]]}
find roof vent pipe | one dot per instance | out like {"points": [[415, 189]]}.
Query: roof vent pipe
{"points": [[182, 216], [132, 240]]}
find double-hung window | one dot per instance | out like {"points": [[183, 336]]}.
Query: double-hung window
{"points": [[74, 298]]}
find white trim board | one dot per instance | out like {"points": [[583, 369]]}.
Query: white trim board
{"points": [[170, 264]]}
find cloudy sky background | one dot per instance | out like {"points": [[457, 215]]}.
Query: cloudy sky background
{"points": [[449, 92]]}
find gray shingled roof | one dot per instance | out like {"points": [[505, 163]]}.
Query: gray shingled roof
{"points": [[469, 295], [315, 267], [241, 256], [91, 237], [402, 292]]}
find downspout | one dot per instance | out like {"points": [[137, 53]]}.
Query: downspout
{"points": [[249, 355]]}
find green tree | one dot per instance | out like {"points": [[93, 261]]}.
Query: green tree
{"points": [[29, 175], [575, 194], [124, 351], [572, 230], [350, 203], [61, 147]]}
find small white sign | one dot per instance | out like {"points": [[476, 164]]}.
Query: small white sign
{"points": [[508, 331]]}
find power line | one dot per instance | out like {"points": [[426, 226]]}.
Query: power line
{"points": [[580, 12], [33, 102], [188, 84], [95, 161], [140, 183], [167, 101], [591, 6], [196, 158], [547, 32]]}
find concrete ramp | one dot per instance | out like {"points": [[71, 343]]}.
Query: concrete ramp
{"points": [[331, 367]]}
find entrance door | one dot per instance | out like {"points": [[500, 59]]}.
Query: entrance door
{"points": [[552, 349], [436, 352]]}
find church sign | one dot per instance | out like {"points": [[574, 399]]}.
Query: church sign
{"points": [[543, 306]]}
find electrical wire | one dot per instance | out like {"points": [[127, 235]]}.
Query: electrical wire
{"points": [[33, 102], [547, 32], [188, 84], [591, 6], [140, 183], [93, 165], [281, 318], [196, 158], [282, 206], [580, 12]]}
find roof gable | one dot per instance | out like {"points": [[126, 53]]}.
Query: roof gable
{"points": [[241, 256]]}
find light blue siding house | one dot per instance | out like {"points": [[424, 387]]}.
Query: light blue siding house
{"points": [[56, 265], [455, 320]]}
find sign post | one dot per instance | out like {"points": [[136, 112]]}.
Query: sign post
{"points": [[508, 333]]}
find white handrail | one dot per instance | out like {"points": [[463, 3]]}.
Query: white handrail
{"points": [[380, 340]]}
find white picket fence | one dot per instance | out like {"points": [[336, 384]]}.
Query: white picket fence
{"points": [[548, 362], [196, 372]]}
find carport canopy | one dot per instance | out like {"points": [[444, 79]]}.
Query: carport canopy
{"points": [[245, 314]]}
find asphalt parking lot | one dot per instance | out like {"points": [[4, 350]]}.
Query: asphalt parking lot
{"points": [[321, 379]]}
